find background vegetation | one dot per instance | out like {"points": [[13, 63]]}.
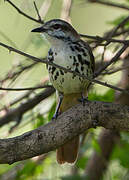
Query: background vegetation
{"points": [[103, 153]]}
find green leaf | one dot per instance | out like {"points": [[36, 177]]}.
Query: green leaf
{"points": [[81, 163], [121, 152], [75, 177], [118, 21], [39, 121], [28, 170], [96, 145], [107, 97], [52, 111]]}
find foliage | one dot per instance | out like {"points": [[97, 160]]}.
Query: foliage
{"points": [[107, 97], [121, 150], [118, 20], [76, 177]]}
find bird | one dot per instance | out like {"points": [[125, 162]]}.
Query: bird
{"points": [[68, 50]]}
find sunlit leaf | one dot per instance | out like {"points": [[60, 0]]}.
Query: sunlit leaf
{"points": [[118, 21], [96, 145], [52, 111], [39, 121], [74, 177], [81, 163], [28, 170], [107, 97], [121, 152]]}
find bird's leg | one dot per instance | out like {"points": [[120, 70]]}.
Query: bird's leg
{"points": [[58, 107], [83, 99]]}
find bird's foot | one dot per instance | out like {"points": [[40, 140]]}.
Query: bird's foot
{"points": [[55, 116], [83, 100], [95, 121]]}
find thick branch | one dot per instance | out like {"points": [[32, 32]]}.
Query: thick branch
{"points": [[68, 125], [17, 113]]}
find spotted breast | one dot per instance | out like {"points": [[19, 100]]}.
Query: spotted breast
{"points": [[75, 56]]}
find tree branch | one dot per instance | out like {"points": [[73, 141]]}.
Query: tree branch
{"points": [[68, 125], [107, 3], [120, 25], [114, 59], [70, 71], [24, 14], [13, 74], [17, 113], [25, 89], [109, 40], [39, 17], [107, 140]]}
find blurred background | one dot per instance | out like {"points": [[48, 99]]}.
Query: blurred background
{"points": [[89, 17]]}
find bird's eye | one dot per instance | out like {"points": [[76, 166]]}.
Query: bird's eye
{"points": [[56, 26]]}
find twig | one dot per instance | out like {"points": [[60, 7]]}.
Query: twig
{"points": [[26, 95], [17, 113], [25, 89], [70, 71], [22, 53], [11, 74], [44, 8], [107, 3], [24, 14], [115, 70], [122, 32], [102, 57], [120, 25], [39, 17], [109, 40], [114, 59], [8, 39]]}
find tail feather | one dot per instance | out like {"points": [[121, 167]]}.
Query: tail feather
{"points": [[69, 151]]}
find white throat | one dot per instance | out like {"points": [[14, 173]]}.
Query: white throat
{"points": [[54, 42]]}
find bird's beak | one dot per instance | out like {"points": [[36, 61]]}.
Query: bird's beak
{"points": [[39, 29]]}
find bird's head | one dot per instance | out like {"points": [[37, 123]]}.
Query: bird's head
{"points": [[57, 29]]}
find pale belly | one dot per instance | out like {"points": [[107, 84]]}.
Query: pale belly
{"points": [[68, 83]]}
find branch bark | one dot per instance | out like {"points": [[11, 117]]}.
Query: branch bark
{"points": [[17, 113], [68, 125]]}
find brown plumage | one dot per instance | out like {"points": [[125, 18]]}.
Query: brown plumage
{"points": [[69, 151]]}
